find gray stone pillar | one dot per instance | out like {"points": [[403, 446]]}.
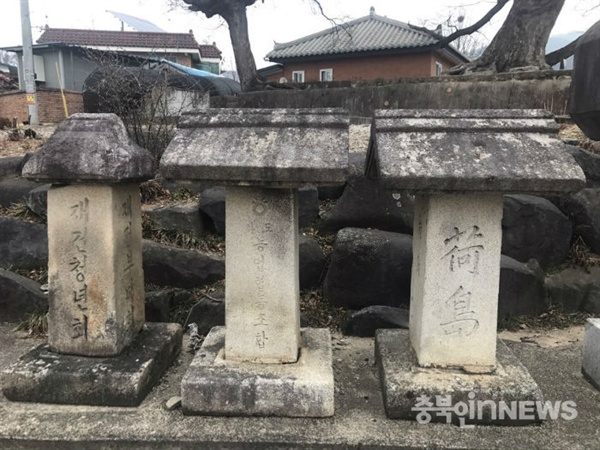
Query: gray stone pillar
{"points": [[459, 163], [262, 156], [95, 275], [262, 298]]}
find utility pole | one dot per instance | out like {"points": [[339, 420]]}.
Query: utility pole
{"points": [[28, 70]]}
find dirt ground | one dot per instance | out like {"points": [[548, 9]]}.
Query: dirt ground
{"points": [[549, 338], [22, 146]]}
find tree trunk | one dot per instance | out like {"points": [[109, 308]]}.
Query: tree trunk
{"points": [[522, 39], [237, 21], [234, 13]]}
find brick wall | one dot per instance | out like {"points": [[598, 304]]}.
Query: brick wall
{"points": [[367, 68], [50, 106]]}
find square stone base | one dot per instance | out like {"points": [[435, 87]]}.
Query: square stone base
{"points": [[218, 387], [591, 352], [46, 377], [412, 392]]}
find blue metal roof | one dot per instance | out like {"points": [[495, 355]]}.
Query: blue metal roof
{"points": [[189, 70]]}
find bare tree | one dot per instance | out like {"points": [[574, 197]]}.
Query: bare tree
{"points": [[234, 13], [519, 43], [522, 39]]}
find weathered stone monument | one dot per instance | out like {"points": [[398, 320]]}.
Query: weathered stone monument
{"points": [[99, 350], [459, 163], [261, 363], [584, 108]]}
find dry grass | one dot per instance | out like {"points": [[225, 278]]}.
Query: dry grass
{"points": [[36, 325], [553, 318], [22, 212], [581, 256], [319, 313], [209, 243]]}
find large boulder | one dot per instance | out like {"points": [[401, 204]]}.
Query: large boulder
{"points": [[575, 289], [365, 322], [19, 296], [208, 312], [369, 267], [15, 190], [212, 205], [365, 204], [522, 291], [11, 166], [589, 163], [583, 208], [534, 228], [584, 98], [37, 200], [169, 266], [183, 217], [161, 304], [312, 262], [23, 245]]}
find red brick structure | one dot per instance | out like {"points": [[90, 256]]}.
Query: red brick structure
{"points": [[369, 48], [13, 104]]}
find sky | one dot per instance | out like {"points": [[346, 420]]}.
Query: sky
{"points": [[269, 21]]}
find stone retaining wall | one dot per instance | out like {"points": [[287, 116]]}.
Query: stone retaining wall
{"points": [[540, 90]]}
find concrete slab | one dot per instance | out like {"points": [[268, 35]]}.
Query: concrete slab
{"points": [[124, 380], [591, 352], [216, 386], [411, 392], [359, 422]]}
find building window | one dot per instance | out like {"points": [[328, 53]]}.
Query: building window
{"points": [[298, 76], [439, 69], [326, 75]]}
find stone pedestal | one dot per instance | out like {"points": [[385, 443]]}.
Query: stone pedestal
{"points": [[214, 385], [455, 277], [96, 353], [261, 364], [95, 276], [459, 163], [262, 308], [591, 352]]}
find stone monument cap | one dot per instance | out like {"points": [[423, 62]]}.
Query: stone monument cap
{"points": [[90, 149], [439, 151], [260, 147]]}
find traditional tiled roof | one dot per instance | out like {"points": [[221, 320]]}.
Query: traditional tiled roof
{"points": [[369, 33], [118, 39], [210, 51]]}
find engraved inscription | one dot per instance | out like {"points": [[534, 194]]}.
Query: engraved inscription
{"points": [[463, 321], [260, 230], [464, 249], [127, 215], [79, 216]]}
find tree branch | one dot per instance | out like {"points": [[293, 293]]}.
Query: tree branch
{"points": [[557, 56], [445, 40]]}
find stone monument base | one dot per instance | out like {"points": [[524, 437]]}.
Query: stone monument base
{"points": [[591, 352], [217, 387], [46, 377], [412, 392]]}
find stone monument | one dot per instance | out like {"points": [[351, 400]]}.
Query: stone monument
{"points": [[261, 363], [459, 163], [584, 108], [99, 350]]}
